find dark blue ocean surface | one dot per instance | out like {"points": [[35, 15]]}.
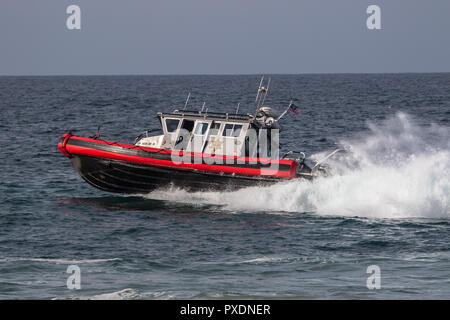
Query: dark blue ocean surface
{"points": [[387, 202]]}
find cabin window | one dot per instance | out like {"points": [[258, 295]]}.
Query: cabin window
{"points": [[214, 131], [188, 125], [201, 128], [172, 124], [237, 130], [228, 130], [232, 130]]}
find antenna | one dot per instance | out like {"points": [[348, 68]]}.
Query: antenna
{"points": [[202, 107], [237, 109], [290, 103], [187, 100], [260, 84], [265, 94], [261, 95]]}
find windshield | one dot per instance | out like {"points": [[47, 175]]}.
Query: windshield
{"points": [[172, 124]]}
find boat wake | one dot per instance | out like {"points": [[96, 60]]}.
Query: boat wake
{"points": [[397, 169]]}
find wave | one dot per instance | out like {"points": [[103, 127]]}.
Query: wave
{"points": [[125, 294], [59, 261], [133, 294], [397, 169], [271, 259]]}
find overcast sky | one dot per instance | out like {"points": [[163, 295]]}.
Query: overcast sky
{"points": [[223, 37]]}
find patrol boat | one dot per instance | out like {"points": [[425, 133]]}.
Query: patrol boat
{"points": [[197, 150]]}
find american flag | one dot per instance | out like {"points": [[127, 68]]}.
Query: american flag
{"points": [[294, 109]]}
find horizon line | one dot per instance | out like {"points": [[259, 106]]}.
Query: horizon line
{"points": [[214, 74]]}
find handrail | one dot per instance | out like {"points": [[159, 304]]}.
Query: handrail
{"points": [[297, 152], [326, 158], [146, 132]]}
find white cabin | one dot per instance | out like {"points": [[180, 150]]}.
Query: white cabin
{"points": [[201, 132]]}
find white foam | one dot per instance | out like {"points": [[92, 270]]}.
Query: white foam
{"points": [[59, 261], [397, 169], [125, 294], [263, 259]]}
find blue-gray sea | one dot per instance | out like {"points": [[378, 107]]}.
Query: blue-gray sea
{"points": [[386, 202]]}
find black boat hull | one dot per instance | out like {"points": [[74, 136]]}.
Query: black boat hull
{"points": [[133, 178]]}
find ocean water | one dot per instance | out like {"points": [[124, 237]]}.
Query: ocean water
{"points": [[386, 203]]}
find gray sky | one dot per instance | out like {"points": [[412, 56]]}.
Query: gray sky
{"points": [[223, 37]]}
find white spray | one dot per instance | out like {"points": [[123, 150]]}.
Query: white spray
{"points": [[397, 169]]}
